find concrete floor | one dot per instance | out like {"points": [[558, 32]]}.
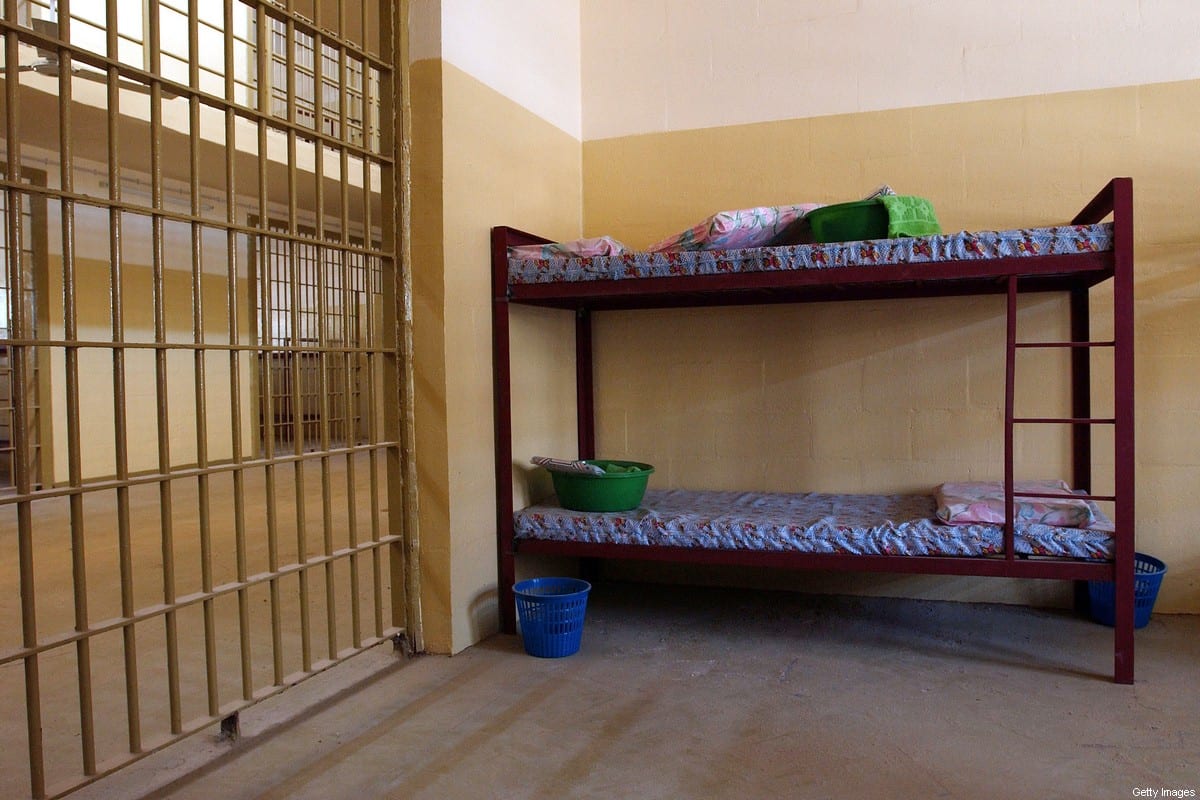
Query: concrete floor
{"points": [[682, 693]]}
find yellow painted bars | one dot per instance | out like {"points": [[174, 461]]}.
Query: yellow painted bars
{"points": [[291, 257]]}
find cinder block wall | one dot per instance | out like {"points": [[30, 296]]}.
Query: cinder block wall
{"points": [[1004, 115]]}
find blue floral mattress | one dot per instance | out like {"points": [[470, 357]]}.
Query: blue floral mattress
{"points": [[962, 246], [806, 523]]}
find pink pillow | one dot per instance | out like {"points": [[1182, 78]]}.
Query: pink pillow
{"points": [[733, 230]]}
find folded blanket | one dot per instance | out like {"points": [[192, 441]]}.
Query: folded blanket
{"points": [[909, 216], [969, 503], [584, 248]]}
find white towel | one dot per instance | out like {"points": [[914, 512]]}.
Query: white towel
{"points": [[564, 465]]}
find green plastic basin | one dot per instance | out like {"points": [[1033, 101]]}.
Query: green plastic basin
{"points": [[613, 491], [849, 222]]}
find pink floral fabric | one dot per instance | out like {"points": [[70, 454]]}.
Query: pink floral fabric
{"points": [[969, 503], [763, 226], [584, 248]]}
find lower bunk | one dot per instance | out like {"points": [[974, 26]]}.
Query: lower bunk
{"points": [[853, 533]]}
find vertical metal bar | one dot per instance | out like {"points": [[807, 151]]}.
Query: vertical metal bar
{"points": [[502, 410], [375, 376], [349, 337], [22, 479], [322, 306], [297, 375], [71, 355], [267, 258], [158, 273], [198, 359], [1123, 435], [1081, 408], [232, 294], [403, 560], [394, 119], [585, 409], [1081, 391], [120, 415], [1010, 371]]}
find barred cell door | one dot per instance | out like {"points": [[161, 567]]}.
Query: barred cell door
{"points": [[201, 471]]}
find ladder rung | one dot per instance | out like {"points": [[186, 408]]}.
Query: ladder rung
{"points": [[1065, 344], [1065, 420], [1061, 496]]}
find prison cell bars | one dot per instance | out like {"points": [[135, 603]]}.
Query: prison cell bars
{"points": [[380, 354]]}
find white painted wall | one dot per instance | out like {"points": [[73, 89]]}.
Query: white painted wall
{"points": [[527, 50], [667, 65]]}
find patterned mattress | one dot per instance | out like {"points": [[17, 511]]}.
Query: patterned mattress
{"points": [[807, 523], [962, 246]]}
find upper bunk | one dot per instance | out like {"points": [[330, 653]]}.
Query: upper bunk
{"points": [[1075, 255]]}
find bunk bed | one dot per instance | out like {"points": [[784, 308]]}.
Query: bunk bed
{"points": [[681, 526]]}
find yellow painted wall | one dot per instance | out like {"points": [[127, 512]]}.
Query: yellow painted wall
{"points": [[479, 159], [901, 395]]}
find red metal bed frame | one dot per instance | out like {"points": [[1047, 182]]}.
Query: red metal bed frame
{"points": [[1075, 274]]}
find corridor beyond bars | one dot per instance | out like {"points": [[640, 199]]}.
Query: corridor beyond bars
{"points": [[200, 350]]}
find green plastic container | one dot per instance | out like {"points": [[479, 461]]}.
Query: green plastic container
{"points": [[849, 222], [613, 491]]}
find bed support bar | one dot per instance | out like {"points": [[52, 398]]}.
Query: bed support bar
{"points": [[1011, 276]]}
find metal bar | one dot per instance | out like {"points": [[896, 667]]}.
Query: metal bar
{"points": [[322, 307], [161, 380], [394, 134], [1010, 371], [374, 376], [46, 644], [1123, 434], [266, 276], [1081, 388], [232, 294], [349, 365], [1061, 496], [101, 345], [199, 368], [169, 215], [143, 479], [502, 411], [120, 416], [585, 407], [1099, 206], [404, 561], [1076, 344], [297, 397], [983, 566], [324, 388], [1065, 420], [87, 725], [22, 479], [128, 72]]}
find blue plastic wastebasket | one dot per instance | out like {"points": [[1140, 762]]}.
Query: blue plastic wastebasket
{"points": [[1148, 574], [551, 613]]}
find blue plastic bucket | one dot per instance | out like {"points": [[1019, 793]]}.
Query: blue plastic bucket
{"points": [[1148, 574], [551, 614]]}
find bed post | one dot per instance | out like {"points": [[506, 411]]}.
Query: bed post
{"points": [[1117, 199], [1081, 408], [585, 411], [502, 411], [1123, 332]]}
